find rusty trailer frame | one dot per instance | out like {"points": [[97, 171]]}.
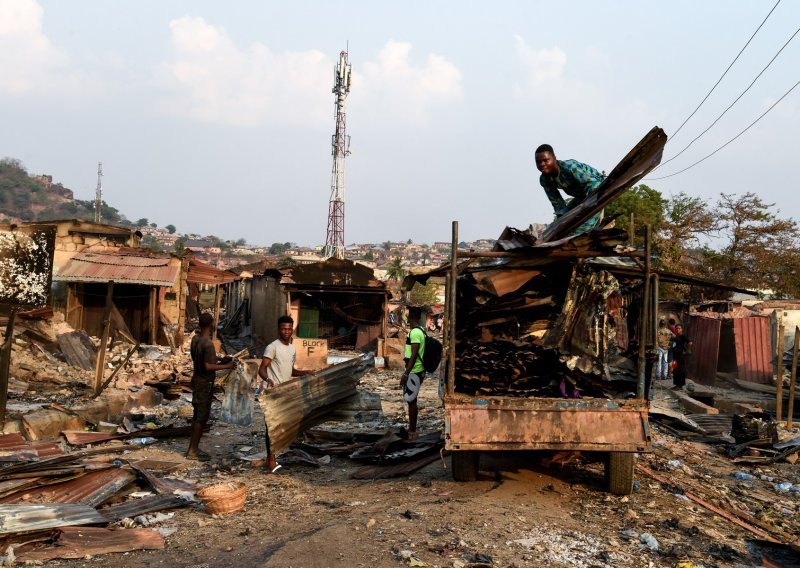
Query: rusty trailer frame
{"points": [[618, 427]]}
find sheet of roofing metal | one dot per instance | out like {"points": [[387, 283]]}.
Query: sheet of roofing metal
{"points": [[121, 268], [702, 364], [753, 339], [91, 489], [202, 273]]}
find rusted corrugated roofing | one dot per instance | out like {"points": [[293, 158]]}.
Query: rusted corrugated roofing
{"points": [[91, 489], [753, 339], [702, 363], [125, 266], [202, 273]]}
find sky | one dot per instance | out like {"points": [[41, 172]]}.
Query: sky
{"points": [[217, 117]]}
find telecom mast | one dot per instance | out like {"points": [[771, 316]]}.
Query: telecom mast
{"points": [[98, 195], [334, 240]]}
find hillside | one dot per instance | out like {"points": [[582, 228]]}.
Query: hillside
{"points": [[24, 197]]}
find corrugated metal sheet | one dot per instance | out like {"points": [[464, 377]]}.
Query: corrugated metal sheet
{"points": [[91, 489], [753, 339], [202, 273], [127, 266], [702, 364]]}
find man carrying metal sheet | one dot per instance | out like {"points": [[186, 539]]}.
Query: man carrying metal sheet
{"points": [[576, 179], [277, 366]]}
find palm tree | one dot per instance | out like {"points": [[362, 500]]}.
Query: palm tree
{"points": [[396, 270]]}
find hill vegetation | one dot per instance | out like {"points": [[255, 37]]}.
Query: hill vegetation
{"points": [[24, 197]]}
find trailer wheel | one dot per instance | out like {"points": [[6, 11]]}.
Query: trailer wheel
{"points": [[619, 472], [465, 465]]}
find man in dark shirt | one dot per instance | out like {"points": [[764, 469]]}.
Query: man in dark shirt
{"points": [[206, 365]]}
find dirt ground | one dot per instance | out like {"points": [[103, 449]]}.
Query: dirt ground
{"points": [[521, 512]]}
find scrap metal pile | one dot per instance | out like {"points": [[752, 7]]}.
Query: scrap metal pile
{"points": [[547, 326]]}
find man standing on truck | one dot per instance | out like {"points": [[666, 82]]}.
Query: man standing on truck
{"points": [[277, 367], [414, 374], [574, 178]]}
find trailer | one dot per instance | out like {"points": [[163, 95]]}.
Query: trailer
{"points": [[616, 428]]}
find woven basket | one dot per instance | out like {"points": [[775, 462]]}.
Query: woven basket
{"points": [[223, 498]]}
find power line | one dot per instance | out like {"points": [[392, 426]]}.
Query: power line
{"points": [[710, 126], [749, 126], [726, 70]]}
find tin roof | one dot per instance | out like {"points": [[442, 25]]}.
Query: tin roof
{"points": [[202, 273], [123, 266]]}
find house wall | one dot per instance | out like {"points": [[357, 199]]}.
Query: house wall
{"points": [[72, 238]]}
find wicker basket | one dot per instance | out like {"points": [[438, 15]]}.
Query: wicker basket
{"points": [[223, 498]]}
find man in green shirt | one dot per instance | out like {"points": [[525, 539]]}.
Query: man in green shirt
{"points": [[414, 373]]}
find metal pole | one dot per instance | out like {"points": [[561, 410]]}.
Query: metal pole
{"points": [[779, 373], [644, 317], [790, 409], [451, 353], [101, 353], [5, 362]]}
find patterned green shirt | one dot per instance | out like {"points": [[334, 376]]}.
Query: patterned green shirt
{"points": [[574, 178]]}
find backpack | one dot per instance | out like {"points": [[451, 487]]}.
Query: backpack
{"points": [[431, 354]]}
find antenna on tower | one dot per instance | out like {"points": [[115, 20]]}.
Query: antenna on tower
{"points": [[334, 240], [98, 195]]}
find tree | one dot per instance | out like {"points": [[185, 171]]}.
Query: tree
{"points": [[150, 242], [143, 222], [286, 261], [409, 241], [760, 249], [423, 295], [278, 248], [647, 206], [386, 245], [170, 229], [686, 219], [396, 271], [240, 242], [179, 246], [154, 225], [369, 256]]}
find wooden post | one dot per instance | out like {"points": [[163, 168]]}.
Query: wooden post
{"points": [[779, 372], [790, 409], [451, 354], [120, 366], [5, 362], [217, 300], [644, 317], [101, 353], [154, 320], [631, 229]]}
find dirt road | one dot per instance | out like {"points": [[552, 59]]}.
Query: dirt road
{"points": [[522, 512]]}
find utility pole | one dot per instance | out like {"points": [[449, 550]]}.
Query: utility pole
{"points": [[334, 240], [98, 194]]}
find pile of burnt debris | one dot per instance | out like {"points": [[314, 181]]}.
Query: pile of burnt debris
{"points": [[548, 326]]}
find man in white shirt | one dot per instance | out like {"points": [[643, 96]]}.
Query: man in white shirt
{"points": [[277, 367]]}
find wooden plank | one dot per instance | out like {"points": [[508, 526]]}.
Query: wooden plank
{"points": [[694, 406], [78, 349], [303, 402]]}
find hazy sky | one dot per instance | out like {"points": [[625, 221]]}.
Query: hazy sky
{"points": [[217, 116]]}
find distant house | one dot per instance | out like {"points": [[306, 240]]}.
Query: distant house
{"points": [[202, 246]]}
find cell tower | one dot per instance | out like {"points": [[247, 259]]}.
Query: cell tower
{"points": [[98, 194], [334, 240]]}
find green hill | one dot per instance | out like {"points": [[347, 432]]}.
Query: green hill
{"points": [[24, 197]]}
